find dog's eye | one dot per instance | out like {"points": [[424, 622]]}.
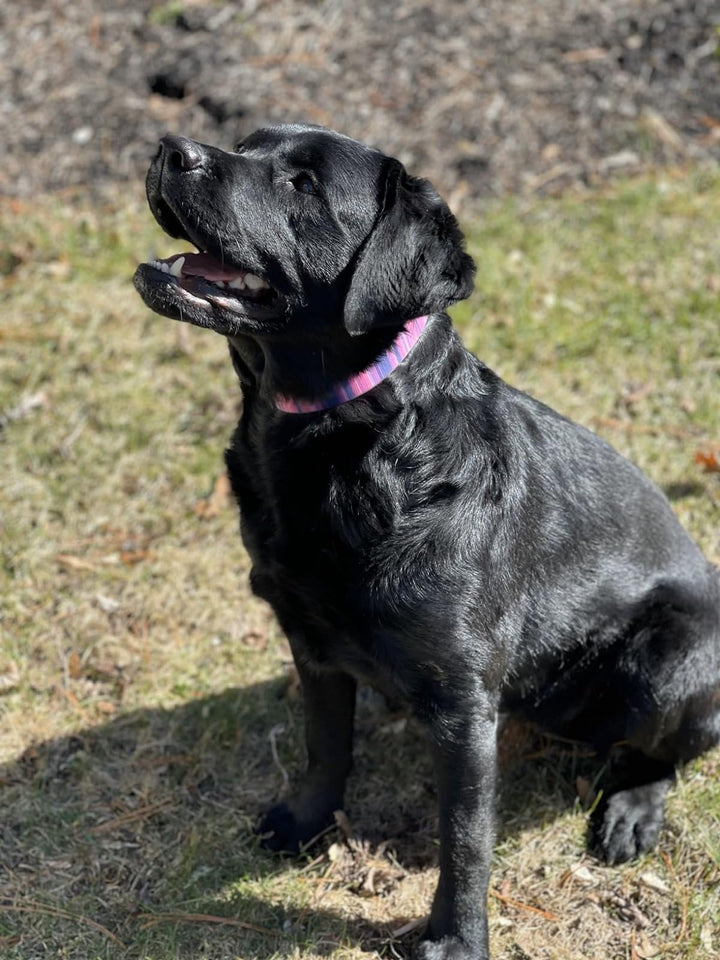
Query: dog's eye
{"points": [[303, 183]]}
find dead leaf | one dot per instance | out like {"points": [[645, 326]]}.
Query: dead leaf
{"points": [[708, 460], [106, 707], [343, 823], [255, 640], [131, 557], [709, 121], [59, 268], [633, 947], [354, 863], [28, 403], [9, 678], [335, 852], [634, 393], [75, 703], [212, 505], [103, 668], [107, 604], [653, 882], [644, 949], [368, 886], [585, 792], [74, 563], [74, 665], [581, 873]]}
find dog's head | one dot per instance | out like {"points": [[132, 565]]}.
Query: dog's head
{"points": [[300, 231]]}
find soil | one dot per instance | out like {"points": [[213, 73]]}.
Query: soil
{"points": [[484, 97]]}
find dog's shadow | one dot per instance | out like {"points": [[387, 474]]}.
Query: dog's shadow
{"points": [[144, 825]]}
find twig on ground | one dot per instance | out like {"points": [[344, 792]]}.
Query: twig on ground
{"points": [[32, 906], [152, 919], [142, 813], [545, 914], [408, 927], [72, 436], [274, 733]]}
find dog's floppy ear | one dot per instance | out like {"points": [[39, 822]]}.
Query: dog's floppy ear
{"points": [[413, 262]]}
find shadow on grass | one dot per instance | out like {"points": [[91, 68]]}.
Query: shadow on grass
{"points": [[680, 491], [144, 825]]}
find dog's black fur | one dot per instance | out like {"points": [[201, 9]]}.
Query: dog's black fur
{"points": [[445, 536]]}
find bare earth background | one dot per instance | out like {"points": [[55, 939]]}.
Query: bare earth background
{"points": [[482, 97]]}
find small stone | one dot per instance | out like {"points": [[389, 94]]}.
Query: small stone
{"points": [[82, 135]]}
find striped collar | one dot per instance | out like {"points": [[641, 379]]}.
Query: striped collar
{"points": [[360, 383]]}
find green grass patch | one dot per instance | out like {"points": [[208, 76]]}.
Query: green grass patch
{"points": [[146, 699]]}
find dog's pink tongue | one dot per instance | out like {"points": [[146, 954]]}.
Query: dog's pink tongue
{"points": [[203, 265]]}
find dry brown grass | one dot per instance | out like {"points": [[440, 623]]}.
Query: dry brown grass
{"points": [[140, 682]]}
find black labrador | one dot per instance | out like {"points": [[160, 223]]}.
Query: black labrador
{"points": [[414, 521]]}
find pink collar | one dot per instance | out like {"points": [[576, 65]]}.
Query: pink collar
{"points": [[360, 383]]}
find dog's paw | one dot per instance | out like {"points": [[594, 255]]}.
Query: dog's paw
{"points": [[282, 831], [449, 948], [628, 824]]}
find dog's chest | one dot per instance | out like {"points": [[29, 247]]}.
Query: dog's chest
{"points": [[325, 500], [325, 586], [322, 533]]}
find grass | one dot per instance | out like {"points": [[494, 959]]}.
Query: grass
{"points": [[141, 682]]}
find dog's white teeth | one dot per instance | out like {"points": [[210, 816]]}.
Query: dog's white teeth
{"points": [[239, 283], [254, 283], [176, 267], [220, 283]]}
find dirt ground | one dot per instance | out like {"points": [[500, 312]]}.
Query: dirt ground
{"points": [[485, 97]]}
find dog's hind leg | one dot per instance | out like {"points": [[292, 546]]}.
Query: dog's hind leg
{"points": [[628, 818], [679, 672]]}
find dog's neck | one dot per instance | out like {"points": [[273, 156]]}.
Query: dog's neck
{"points": [[361, 382]]}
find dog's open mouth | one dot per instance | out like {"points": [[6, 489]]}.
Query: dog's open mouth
{"points": [[208, 280], [201, 289]]}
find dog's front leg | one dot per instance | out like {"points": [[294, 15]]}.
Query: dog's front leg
{"points": [[464, 750], [329, 699]]}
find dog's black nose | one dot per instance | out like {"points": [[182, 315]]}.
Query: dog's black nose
{"points": [[181, 153]]}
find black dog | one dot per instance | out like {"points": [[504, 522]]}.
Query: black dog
{"points": [[414, 521]]}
